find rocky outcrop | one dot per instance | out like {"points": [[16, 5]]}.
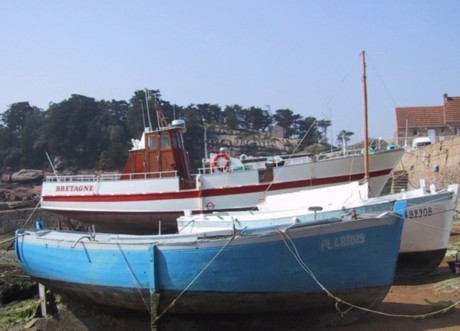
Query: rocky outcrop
{"points": [[23, 176], [27, 176], [20, 189], [248, 142], [14, 196]]}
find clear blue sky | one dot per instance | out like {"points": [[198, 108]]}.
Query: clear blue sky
{"points": [[301, 55]]}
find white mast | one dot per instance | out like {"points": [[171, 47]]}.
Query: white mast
{"points": [[366, 138], [148, 111]]}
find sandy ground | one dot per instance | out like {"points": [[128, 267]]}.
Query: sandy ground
{"points": [[404, 302], [420, 297]]}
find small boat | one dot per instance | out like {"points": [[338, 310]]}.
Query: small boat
{"points": [[156, 184], [284, 269], [426, 230]]}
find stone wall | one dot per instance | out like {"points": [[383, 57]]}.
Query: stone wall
{"points": [[438, 163], [10, 220]]}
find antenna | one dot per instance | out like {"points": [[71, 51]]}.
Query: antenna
{"points": [[269, 110], [52, 166], [330, 119], [147, 104], [143, 116], [205, 138], [366, 136], [161, 120], [156, 104]]}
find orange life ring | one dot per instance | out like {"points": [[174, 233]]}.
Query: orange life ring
{"points": [[215, 165]]}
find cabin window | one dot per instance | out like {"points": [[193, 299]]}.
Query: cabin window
{"points": [[165, 142], [153, 142], [415, 132]]}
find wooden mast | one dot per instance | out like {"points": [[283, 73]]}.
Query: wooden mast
{"points": [[366, 138]]}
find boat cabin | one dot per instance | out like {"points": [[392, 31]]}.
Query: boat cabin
{"points": [[159, 153]]}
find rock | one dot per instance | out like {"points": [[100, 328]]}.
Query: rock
{"points": [[16, 205], [27, 176], [6, 178], [58, 162]]}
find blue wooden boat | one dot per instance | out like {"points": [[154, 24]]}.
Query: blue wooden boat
{"points": [[277, 269]]}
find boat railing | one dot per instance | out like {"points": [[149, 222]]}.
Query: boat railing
{"points": [[337, 154], [112, 177], [258, 164], [284, 160], [297, 160], [211, 170]]}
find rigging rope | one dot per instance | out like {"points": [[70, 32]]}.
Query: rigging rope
{"points": [[27, 221], [338, 300], [194, 279], [134, 278], [293, 250]]}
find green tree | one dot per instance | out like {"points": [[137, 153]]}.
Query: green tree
{"points": [[322, 126], [12, 158], [287, 119], [16, 114], [308, 131], [118, 110], [7, 141], [22, 134], [71, 131], [111, 132], [31, 143], [141, 112], [344, 137], [211, 113], [89, 133], [115, 154], [194, 139], [6, 138], [171, 111], [257, 119], [231, 117]]}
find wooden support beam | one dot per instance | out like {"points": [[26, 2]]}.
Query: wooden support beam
{"points": [[42, 294]]}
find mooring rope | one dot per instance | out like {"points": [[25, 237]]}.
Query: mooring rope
{"points": [[194, 279], [27, 221], [290, 157], [134, 278], [338, 300], [433, 226], [33, 212]]}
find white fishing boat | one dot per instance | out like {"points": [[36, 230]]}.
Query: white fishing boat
{"points": [[427, 225], [156, 184]]}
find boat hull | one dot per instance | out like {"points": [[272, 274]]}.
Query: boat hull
{"points": [[412, 264], [426, 231], [220, 302], [259, 270]]}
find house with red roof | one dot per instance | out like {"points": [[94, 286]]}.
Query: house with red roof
{"points": [[436, 122]]}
